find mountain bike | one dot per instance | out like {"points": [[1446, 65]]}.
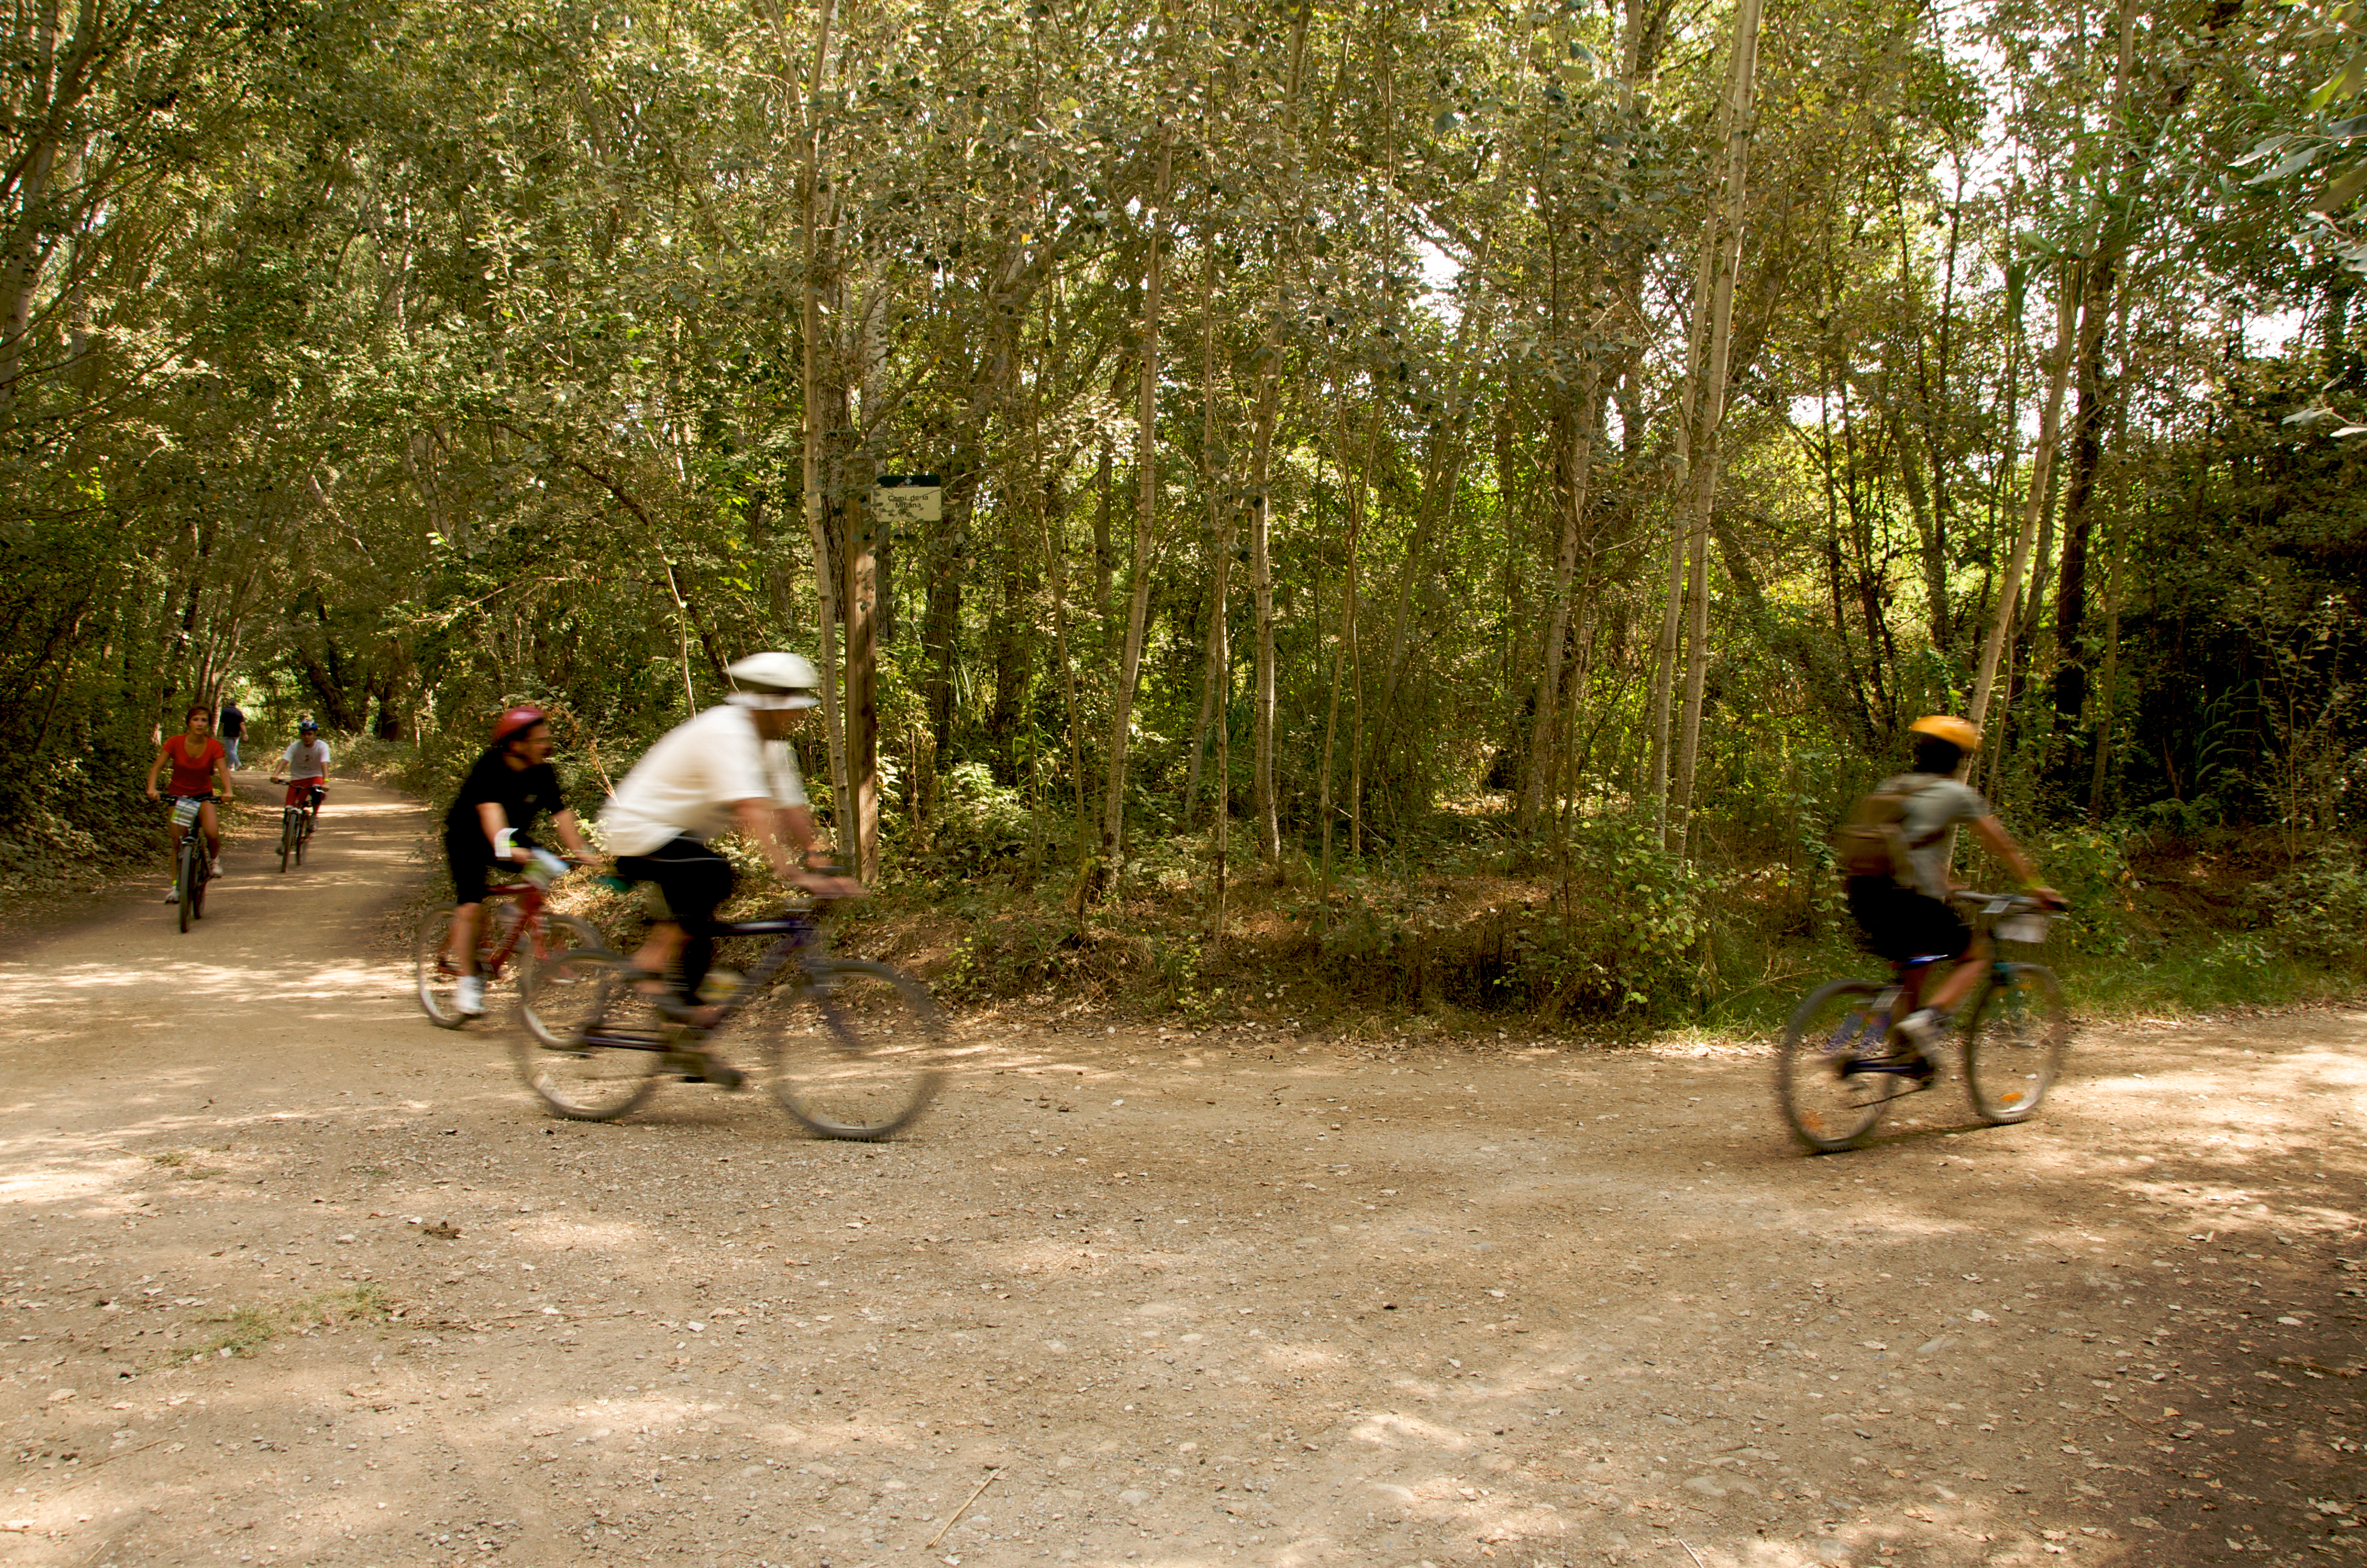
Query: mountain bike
{"points": [[1842, 1061], [517, 933], [849, 1048], [193, 867], [295, 820]]}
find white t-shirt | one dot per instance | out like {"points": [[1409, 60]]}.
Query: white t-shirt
{"points": [[307, 760], [685, 785]]}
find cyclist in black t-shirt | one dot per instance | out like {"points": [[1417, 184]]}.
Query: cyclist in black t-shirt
{"points": [[511, 784]]}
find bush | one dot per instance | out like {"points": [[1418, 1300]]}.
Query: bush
{"points": [[2316, 911]]}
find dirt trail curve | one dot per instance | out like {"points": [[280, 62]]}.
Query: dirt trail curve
{"points": [[1196, 1299]]}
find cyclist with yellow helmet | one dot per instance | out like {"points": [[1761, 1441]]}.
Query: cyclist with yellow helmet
{"points": [[1907, 916]]}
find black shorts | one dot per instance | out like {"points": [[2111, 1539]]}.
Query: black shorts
{"points": [[1899, 923], [470, 859], [692, 879]]}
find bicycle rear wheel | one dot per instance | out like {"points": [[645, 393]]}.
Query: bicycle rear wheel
{"points": [[579, 1059], [864, 1060], [1827, 1103], [2014, 1041], [303, 834]]}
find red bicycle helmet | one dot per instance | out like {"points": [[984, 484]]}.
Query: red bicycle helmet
{"points": [[515, 722]]}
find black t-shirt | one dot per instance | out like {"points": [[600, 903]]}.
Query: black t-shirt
{"points": [[233, 723], [523, 794]]}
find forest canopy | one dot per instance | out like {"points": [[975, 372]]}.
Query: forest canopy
{"points": [[1563, 432]]}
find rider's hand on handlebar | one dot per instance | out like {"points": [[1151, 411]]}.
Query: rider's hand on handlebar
{"points": [[2049, 898], [820, 886]]}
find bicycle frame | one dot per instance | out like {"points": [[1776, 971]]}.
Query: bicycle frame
{"points": [[1906, 992], [530, 900], [799, 933]]}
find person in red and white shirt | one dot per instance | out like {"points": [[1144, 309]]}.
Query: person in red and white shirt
{"points": [[305, 766], [201, 776]]}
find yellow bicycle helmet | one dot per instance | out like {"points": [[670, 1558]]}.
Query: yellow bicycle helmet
{"points": [[1960, 733]]}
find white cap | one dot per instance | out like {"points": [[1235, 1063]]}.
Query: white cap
{"points": [[788, 680]]}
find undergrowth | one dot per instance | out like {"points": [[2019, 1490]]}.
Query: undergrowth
{"points": [[1607, 936], [1601, 935]]}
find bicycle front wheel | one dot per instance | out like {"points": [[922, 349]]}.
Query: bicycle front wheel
{"points": [[1827, 1102], [564, 974], [438, 983], [864, 1060], [2014, 1041], [192, 882], [287, 840], [574, 1055], [303, 835]]}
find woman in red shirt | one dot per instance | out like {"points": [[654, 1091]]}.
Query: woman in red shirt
{"points": [[200, 772]]}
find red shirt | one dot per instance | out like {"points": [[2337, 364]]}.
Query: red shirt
{"points": [[193, 772]]}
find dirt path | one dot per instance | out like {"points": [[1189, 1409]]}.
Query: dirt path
{"points": [[1185, 1300]]}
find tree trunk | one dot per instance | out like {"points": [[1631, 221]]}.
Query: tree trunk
{"points": [[1740, 83], [1574, 446], [1664, 651], [810, 394], [2079, 491], [1216, 667], [1145, 512], [1263, 800], [1344, 652], [2042, 479]]}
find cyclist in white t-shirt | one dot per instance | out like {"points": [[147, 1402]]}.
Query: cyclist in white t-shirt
{"points": [[305, 765], [727, 769]]}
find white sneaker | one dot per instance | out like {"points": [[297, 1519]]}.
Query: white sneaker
{"points": [[473, 996], [1925, 1028], [213, 867], [172, 895]]}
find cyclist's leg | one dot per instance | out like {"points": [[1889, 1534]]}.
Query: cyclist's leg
{"points": [[468, 871], [460, 940], [211, 825], [694, 881], [320, 797], [1973, 963]]}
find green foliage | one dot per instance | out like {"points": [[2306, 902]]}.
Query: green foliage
{"points": [[2316, 912], [316, 399]]}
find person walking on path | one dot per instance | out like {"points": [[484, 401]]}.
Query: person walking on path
{"points": [[232, 729]]}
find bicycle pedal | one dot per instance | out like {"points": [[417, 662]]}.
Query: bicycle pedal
{"points": [[717, 1074]]}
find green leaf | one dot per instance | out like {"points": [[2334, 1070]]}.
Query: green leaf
{"points": [[2265, 147], [2348, 79], [2287, 166], [2342, 192]]}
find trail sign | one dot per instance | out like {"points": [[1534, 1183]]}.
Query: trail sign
{"points": [[909, 498]]}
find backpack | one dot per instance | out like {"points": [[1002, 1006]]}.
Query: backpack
{"points": [[1872, 840]]}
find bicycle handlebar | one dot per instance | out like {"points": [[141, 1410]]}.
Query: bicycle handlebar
{"points": [[2001, 903]]}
